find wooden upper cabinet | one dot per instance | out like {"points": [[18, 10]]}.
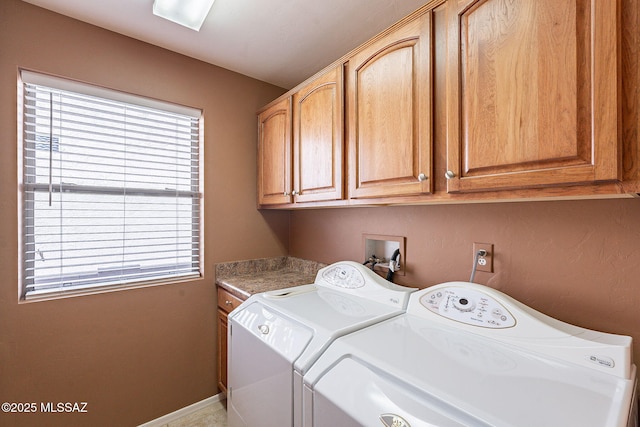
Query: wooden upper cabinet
{"points": [[389, 114], [274, 154], [318, 122], [532, 93]]}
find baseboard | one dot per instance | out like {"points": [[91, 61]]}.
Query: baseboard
{"points": [[165, 419]]}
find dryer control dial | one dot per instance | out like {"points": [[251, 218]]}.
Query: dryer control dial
{"points": [[468, 306], [343, 276]]}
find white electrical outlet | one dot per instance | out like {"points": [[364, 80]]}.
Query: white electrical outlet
{"points": [[484, 262]]}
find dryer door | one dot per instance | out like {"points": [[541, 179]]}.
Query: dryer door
{"points": [[262, 348], [352, 393]]}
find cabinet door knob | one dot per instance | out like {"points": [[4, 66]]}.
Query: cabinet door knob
{"points": [[286, 193], [422, 177], [450, 175], [294, 193], [227, 302]]}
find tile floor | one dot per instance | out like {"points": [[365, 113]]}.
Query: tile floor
{"points": [[213, 415]]}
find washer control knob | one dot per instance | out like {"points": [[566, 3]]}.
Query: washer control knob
{"points": [[264, 329], [464, 304]]}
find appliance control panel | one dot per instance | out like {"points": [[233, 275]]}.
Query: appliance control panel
{"points": [[468, 306], [355, 279], [343, 276]]}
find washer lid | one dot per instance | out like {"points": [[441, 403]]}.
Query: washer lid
{"points": [[490, 313], [345, 297], [369, 398], [408, 366], [328, 313]]}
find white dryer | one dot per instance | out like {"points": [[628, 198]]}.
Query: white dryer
{"points": [[468, 355], [274, 337]]}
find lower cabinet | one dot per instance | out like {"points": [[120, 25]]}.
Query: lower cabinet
{"points": [[226, 303]]}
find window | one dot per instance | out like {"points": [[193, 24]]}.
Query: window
{"points": [[110, 188]]}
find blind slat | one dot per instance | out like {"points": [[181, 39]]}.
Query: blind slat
{"points": [[113, 191], [159, 258]]}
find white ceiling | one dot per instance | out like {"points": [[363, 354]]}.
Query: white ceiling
{"points": [[282, 42]]}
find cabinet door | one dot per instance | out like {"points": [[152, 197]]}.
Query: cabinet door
{"points": [[227, 302], [317, 139], [532, 93], [222, 350], [389, 114], [274, 154]]}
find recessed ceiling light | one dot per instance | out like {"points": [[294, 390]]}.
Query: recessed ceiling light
{"points": [[190, 13]]}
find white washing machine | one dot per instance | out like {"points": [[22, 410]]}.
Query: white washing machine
{"points": [[274, 337], [467, 355]]}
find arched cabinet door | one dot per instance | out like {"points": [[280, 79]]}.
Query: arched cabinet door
{"points": [[274, 154], [318, 127], [532, 93], [389, 114]]}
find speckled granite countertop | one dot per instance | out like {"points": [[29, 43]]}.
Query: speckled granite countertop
{"points": [[245, 278]]}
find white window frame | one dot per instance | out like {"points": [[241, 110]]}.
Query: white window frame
{"points": [[28, 288]]}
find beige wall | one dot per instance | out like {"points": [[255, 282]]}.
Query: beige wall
{"points": [[578, 261], [139, 354], [136, 355]]}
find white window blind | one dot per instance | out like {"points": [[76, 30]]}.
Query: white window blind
{"points": [[110, 188]]}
